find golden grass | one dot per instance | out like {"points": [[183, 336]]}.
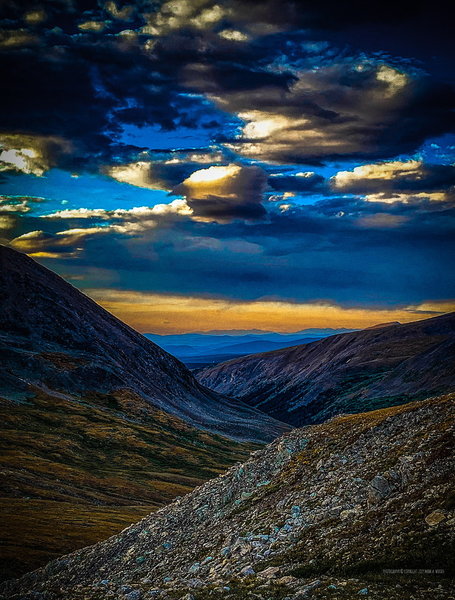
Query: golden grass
{"points": [[75, 471], [36, 531]]}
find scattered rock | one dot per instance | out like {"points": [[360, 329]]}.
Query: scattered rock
{"points": [[306, 512], [270, 573], [194, 568], [287, 580], [380, 489], [435, 518]]}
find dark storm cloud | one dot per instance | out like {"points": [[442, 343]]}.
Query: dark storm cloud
{"points": [[338, 248], [300, 182], [363, 110], [66, 80]]}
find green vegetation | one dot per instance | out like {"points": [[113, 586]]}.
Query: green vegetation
{"points": [[78, 470]]}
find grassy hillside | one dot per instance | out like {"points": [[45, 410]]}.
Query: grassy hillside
{"points": [[78, 470]]}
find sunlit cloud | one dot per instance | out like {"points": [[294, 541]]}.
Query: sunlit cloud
{"points": [[34, 17], [17, 204], [31, 154], [139, 174], [40, 244], [174, 14], [14, 38], [234, 35], [407, 170], [392, 197], [222, 193], [95, 26], [407, 178]]}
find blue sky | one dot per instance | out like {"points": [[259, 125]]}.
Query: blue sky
{"points": [[183, 152]]}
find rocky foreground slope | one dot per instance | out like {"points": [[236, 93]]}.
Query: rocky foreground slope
{"points": [[350, 372], [320, 512]]}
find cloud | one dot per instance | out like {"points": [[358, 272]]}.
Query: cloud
{"points": [[163, 175], [99, 81], [382, 221], [46, 245], [400, 176], [410, 198], [32, 154], [340, 249], [96, 26], [140, 174], [17, 204], [222, 193], [302, 181], [130, 221], [349, 109], [16, 38]]}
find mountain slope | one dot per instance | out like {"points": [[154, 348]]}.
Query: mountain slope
{"points": [[349, 372], [91, 435], [341, 501], [55, 337]]}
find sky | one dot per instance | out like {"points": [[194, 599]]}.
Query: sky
{"points": [[199, 165]]}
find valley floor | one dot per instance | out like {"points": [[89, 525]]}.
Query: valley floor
{"points": [[36, 531], [75, 471]]}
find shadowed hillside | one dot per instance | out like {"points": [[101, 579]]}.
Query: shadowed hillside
{"points": [[99, 425], [351, 372], [54, 337]]}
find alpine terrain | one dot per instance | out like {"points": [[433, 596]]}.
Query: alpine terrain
{"points": [[362, 505], [100, 426], [345, 373]]}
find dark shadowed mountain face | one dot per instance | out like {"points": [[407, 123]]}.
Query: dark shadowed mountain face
{"points": [[55, 338], [319, 513], [99, 425], [352, 372]]}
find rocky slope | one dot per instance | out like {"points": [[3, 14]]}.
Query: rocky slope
{"points": [[326, 511], [55, 337], [351, 372]]}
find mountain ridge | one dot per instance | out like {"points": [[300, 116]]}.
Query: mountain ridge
{"points": [[46, 317], [350, 372]]}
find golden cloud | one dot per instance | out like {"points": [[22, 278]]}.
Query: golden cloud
{"points": [[409, 170], [32, 154], [223, 193], [139, 174]]}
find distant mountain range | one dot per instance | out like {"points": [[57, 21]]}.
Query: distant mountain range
{"points": [[346, 373], [202, 349]]}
